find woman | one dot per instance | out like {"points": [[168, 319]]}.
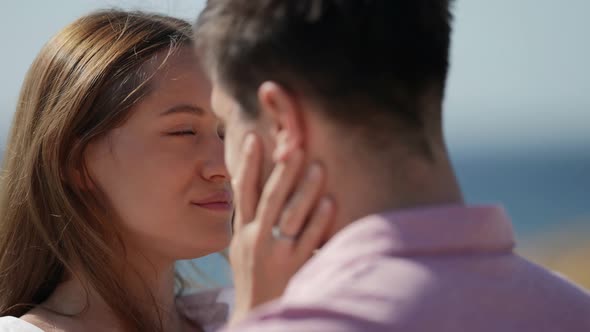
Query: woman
{"points": [[113, 171]]}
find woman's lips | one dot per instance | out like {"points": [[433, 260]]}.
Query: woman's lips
{"points": [[220, 201], [217, 206]]}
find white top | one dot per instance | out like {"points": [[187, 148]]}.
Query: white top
{"points": [[13, 324], [210, 308]]}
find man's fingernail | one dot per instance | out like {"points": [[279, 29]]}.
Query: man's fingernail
{"points": [[315, 171], [249, 141], [326, 204]]}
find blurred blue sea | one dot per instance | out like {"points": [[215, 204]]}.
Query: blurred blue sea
{"points": [[542, 191]]}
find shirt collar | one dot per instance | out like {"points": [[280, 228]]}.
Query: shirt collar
{"points": [[427, 231]]}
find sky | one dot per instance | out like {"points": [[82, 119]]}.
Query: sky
{"points": [[519, 75]]}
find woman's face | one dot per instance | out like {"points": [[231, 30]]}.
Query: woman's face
{"points": [[163, 170]]}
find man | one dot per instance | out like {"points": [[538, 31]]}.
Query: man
{"points": [[358, 86]]}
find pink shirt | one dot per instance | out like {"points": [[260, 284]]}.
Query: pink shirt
{"points": [[445, 269]]}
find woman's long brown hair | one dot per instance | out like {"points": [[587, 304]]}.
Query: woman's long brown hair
{"points": [[82, 84]]}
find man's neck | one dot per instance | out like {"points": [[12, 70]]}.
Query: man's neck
{"points": [[360, 189]]}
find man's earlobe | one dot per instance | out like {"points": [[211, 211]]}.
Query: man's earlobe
{"points": [[284, 147]]}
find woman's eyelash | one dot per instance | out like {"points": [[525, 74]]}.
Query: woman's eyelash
{"points": [[183, 133]]}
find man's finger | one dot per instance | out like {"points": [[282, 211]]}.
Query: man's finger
{"points": [[245, 182], [316, 229], [276, 190], [301, 204]]}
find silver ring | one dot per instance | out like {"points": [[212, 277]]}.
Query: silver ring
{"points": [[277, 234]]}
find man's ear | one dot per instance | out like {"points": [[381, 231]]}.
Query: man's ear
{"points": [[285, 117]]}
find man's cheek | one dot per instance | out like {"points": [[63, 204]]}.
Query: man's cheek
{"points": [[232, 156]]}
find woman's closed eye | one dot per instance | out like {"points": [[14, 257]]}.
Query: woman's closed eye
{"points": [[187, 132]]}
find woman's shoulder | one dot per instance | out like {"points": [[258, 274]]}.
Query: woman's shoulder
{"points": [[210, 307], [13, 324]]}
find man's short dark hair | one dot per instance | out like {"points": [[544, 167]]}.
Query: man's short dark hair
{"points": [[368, 63]]}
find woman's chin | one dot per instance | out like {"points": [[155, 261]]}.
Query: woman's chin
{"points": [[211, 246]]}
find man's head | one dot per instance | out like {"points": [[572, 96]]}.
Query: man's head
{"points": [[365, 75]]}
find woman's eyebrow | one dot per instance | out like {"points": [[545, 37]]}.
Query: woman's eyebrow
{"points": [[184, 109]]}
